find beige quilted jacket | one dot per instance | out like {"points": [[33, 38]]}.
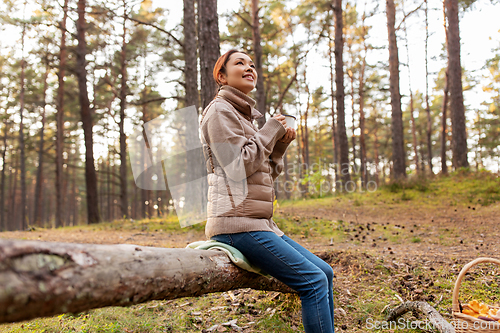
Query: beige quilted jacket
{"points": [[242, 163]]}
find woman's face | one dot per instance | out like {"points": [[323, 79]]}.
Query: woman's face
{"points": [[241, 73]]}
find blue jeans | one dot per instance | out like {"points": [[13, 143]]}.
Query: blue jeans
{"points": [[295, 266]]}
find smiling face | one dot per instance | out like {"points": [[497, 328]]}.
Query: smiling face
{"points": [[240, 73]]}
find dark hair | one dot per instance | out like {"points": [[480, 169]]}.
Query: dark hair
{"points": [[220, 67]]}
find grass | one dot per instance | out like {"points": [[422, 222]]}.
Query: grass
{"points": [[459, 188]]}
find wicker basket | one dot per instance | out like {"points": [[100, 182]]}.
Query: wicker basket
{"points": [[468, 324]]}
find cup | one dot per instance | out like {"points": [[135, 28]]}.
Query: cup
{"points": [[290, 120]]}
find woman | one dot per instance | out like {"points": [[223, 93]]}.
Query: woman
{"points": [[243, 163]]}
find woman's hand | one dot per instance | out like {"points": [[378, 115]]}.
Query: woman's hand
{"points": [[289, 136], [281, 118]]}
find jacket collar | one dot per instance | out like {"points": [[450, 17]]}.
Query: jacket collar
{"points": [[240, 101]]}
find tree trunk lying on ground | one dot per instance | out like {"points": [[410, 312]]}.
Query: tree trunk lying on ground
{"points": [[39, 279], [436, 320]]}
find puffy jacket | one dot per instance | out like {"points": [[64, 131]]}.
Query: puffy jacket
{"points": [[242, 163]]}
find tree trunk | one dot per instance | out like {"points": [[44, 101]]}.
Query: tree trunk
{"points": [[199, 191], [414, 134], [412, 110], [362, 127], [444, 167], [3, 223], [42, 279], [60, 119], [123, 105], [287, 176], [305, 129], [260, 96], [12, 224], [74, 205], [37, 218], [458, 132], [427, 106], [375, 152], [350, 73], [340, 94], [90, 173], [208, 37], [23, 223], [398, 153], [335, 141]]}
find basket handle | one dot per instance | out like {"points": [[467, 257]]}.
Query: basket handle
{"points": [[461, 275]]}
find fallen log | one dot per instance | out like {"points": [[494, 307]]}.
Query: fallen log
{"points": [[40, 279], [436, 320]]}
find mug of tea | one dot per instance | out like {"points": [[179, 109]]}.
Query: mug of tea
{"points": [[290, 120]]}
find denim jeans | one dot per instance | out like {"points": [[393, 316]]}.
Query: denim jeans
{"points": [[295, 266]]}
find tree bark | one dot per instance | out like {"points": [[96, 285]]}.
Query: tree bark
{"points": [[12, 223], [444, 167], [335, 141], [350, 74], [398, 153], [412, 109], [60, 119], [437, 321], [90, 173], [3, 224], [23, 223], [362, 127], [340, 94], [37, 218], [190, 55], [209, 40], [123, 104], [193, 156], [260, 96], [458, 133], [39, 279], [427, 106]]}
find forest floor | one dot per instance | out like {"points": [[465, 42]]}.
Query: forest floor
{"points": [[397, 242]]}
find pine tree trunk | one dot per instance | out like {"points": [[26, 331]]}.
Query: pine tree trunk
{"points": [[23, 222], [375, 152], [108, 187], [340, 94], [444, 167], [458, 133], [305, 137], [60, 119], [13, 224], [74, 208], [427, 106], [260, 96], [362, 127], [414, 135], [353, 128], [123, 138], [335, 141], [412, 109], [3, 223], [199, 190], [37, 218], [86, 115], [208, 36], [398, 153], [287, 175]]}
